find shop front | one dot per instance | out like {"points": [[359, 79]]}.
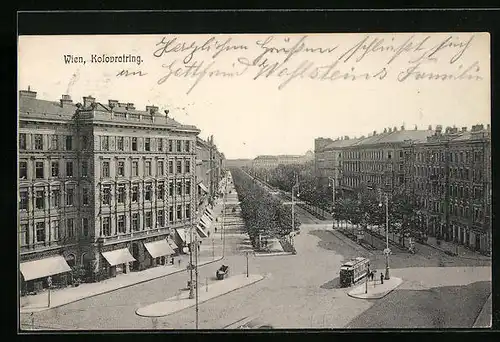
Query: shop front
{"points": [[159, 252], [35, 273], [118, 261]]}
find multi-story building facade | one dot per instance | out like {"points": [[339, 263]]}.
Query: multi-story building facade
{"points": [[209, 169], [447, 175], [271, 162], [105, 186]]}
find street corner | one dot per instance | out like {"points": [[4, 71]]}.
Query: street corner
{"points": [[376, 291], [182, 300]]}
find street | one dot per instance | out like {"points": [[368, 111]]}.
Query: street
{"points": [[299, 291]]}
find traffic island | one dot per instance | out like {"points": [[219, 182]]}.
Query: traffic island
{"points": [[376, 290], [205, 293]]}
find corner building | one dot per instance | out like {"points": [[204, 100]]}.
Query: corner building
{"points": [[100, 184]]}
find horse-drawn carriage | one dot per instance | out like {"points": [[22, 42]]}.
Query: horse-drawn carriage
{"points": [[222, 272]]}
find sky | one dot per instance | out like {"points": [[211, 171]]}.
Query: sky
{"points": [[273, 94]]}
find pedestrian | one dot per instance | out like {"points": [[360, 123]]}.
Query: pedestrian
{"points": [[199, 246], [209, 233], [381, 278], [179, 262], [216, 229]]}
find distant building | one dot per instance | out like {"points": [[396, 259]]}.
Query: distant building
{"points": [[271, 162]]}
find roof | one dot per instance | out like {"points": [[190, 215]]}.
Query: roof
{"points": [[341, 143], [45, 109], [396, 137]]}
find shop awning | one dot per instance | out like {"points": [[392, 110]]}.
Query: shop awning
{"points": [[184, 235], [203, 224], [159, 248], [44, 267], [210, 216], [117, 257], [203, 187], [201, 232], [208, 210], [206, 222], [207, 218]]}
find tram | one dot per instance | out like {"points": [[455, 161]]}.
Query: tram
{"points": [[353, 270]]}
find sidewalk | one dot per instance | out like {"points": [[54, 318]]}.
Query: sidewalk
{"points": [[463, 252], [376, 290], [68, 295], [484, 319], [181, 302]]}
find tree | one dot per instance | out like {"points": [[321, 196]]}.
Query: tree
{"points": [[406, 216]]}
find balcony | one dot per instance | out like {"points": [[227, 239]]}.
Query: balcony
{"points": [[109, 240]]}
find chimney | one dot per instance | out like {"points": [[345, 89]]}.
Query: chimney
{"points": [[395, 129], [151, 109], [464, 129], [88, 100], [374, 133], [403, 128], [430, 128], [65, 99], [439, 129], [389, 130], [346, 137], [113, 103], [488, 127], [416, 127], [130, 106], [385, 130], [28, 93]]}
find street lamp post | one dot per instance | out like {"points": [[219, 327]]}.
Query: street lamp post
{"points": [[196, 274], [247, 263], [333, 198], [387, 237]]}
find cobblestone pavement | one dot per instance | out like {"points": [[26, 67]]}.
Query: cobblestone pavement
{"points": [[299, 291]]}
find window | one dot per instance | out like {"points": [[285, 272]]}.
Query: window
{"points": [[70, 193], [69, 169], [171, 214], [188, 146], [84, 142], [23, 234], [147, 193], [106, 226], [188, 212], [56, 198], [135, 168], [147, 168], [159, 167], [121, 168], [179, 188], [135, 193], [39, 169], [106, 195], [38, 142], [54, 230], [23, 170], [105, 169], [170, 166], [70, 227], [54, 143], [179, 146], [22, 141], [85, 168], [159, 144], [147, 219], [161, 191], [121, 194], [188, 187], [147, 144], [105, 143], [40, 232], [134, 144], [121, 223], [39, 199], [179, 212], [170, 146], [135, 222], [85, 196], [23, 200], [85, 226], [187, 166], [119, 143], [69, 143], [55, 169], [171, 188], [389, 155], [179, 166], [160, 218]]}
